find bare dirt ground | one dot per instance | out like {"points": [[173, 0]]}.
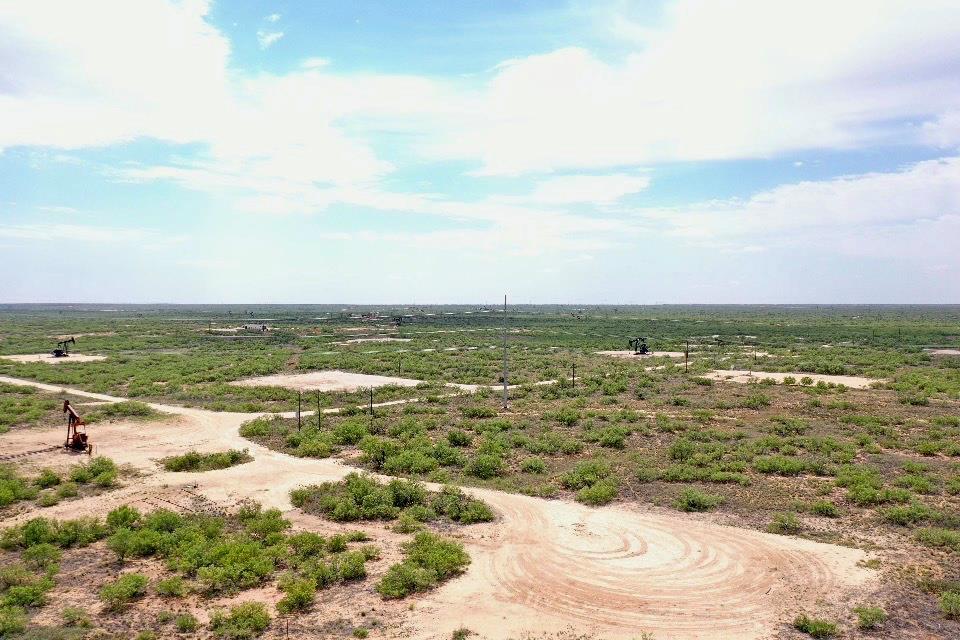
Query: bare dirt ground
{"points": [[943, 352], [631, 354], [326, 381], [335, 380], [743, 376], [49, 359], [544, 566]]}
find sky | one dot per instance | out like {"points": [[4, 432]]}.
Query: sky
{"points": [[749, 151]]}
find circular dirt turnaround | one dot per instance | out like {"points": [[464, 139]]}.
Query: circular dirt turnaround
{"points": [[619, 573]]}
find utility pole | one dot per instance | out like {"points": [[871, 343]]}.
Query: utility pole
{"points": [[574, 375], [371, 400], [686, 358], [318, 411], [504, 351], [299, 401]]}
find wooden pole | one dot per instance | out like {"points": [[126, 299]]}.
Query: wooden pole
{"points": [[299, 402], [686, 358], [574, 375], [371, 400], [318, 411]]}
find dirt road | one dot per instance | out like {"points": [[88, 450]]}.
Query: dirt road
{"points": [[544, 566]]}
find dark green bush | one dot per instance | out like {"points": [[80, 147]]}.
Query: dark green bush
{"points": [[484, 466], [429, 559], [815, 627], [694, 500], [195, 461], [244, 621], [124, 590], [870, 617]]}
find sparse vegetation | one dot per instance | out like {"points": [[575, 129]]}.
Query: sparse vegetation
{"points": [[194, 461]]}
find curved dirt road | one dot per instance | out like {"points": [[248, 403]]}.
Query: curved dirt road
{"points": [[543, 567]]}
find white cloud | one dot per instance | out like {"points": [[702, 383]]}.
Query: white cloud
{"points": [[314, 63], [573, 189], [911, 214], [720, 80], [83, 233], [64, 85], [268, 38], [273, 17]]}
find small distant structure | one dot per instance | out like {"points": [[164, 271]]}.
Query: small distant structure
{"points": [[639, 346], [262, 328], [62, 350]]}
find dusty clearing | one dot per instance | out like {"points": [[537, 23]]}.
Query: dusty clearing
{"points": [[630, 354], [326, 381], [743, 376], [542, 567], [49, 359], [943, 352]]}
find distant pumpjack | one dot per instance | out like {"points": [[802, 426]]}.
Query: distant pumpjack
{"points": [[639, 346], [62, 351]]}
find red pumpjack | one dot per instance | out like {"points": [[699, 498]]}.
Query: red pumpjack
{"points": [[76, 431]]}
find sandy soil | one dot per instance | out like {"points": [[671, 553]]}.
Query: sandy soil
{"points": [[333, 380], [744, 376], [544, 566], [81, 335], [943, 352], [631, 354], [49, 359]]}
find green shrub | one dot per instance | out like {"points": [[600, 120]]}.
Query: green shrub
{"points": [[825, 508], [533, 465], [186, 623], [936, 537], [599, 493], [906, 515], [14, 488], [484, 466], [479, 412], [259, 428], [43, 556], [586, 474], [694, 500], [784, 524], [126, 409], [429, 559], [361, 497], [815, 627], [195, 461], [13, 620], [870, 617], [458, 438], [124, 590], [755, 401], [75, 617], [174, 587], [298, 594], [950, 604], [244, 621], [47, 478], [123, 517], [350, 432]]}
